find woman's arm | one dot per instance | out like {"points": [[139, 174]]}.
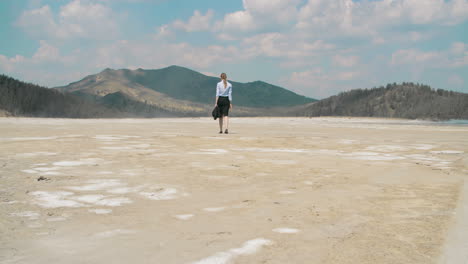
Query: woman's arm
{"points": [[230, 96], [217, 94]]}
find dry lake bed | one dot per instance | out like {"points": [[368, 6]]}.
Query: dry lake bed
{"points": [[274, 190]]}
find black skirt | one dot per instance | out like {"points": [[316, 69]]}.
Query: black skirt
{"points": [[223, 105]]}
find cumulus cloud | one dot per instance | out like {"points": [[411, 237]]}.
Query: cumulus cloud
{"points": [[283, 46], [322, 82], [77, 19], [345, 61], [258, 15], [198, 22], [347, 17]]}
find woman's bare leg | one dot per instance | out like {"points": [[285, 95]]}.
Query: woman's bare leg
{"points": [[220, 123], [227, 122]]}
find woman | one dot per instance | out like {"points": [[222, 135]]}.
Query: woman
{"points": [[223, 101]]}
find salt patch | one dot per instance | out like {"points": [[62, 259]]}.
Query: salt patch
{"points": [[34, 154], [30, 138], [423, 146], [347, 141], [214, 209], [46, 169], [309, 182], [100, 211], [40, 164], [215, 150], [373, 156], [162, 194], [29, 171], [286, 230], [123, 190], [118, 201], [287, 192], [29, 214], [77, 163], [184, 216], [34, 225], [389, 157], [248, 248], [51, 173], [95, 185], [54, 199], [279, 162], [387, 148], [271, 150], [220, 138], [116, 148], [447, 152], [93, 198], [114, 232], [112, 137]]}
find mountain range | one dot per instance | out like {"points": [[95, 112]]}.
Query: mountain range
{"points": [[177, 91]]}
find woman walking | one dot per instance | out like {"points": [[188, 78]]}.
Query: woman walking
{"points": [[223, 102]]}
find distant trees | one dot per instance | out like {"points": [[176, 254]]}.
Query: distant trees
{"points": [[406, 100], [26, 99]]}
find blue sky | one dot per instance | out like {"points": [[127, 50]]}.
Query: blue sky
{"points": [[316, 48]]}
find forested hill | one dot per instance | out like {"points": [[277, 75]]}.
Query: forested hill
{"points": [[25, 99], [406, 100], [169, 86]]}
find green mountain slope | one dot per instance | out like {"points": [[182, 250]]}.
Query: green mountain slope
{"points": [[176, 83], [406, 100]]}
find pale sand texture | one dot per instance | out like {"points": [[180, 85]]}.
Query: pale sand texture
{"points": [[274, 190]]}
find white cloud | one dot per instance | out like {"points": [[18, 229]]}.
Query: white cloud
{"points": [[458, 48], [346, 17], [455, 80], [283, 46], [345, 61], [46, 52], [77, 19], [413, 56], [237, 21], [320, 83], [258, 15], [198, 22]]}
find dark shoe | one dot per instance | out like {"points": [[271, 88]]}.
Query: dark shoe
{"points": [[226, 131], [220, 131]]}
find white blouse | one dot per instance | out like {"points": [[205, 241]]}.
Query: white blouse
{"points": [[221, 91]]}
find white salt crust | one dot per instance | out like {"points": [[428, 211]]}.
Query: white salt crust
{"points": [[54, 199], [286, 230], [447, 152], [248, 248], [115, 232], [163, 194], [214, 209], [100, 211], [34, 154], [117, 201], [184, 216], [287, 192], [77, 163], [96, 185], [29, 214]]}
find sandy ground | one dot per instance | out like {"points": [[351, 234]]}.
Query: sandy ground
{"points": [[274, 190]]}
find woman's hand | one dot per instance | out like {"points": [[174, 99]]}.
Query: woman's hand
{"points": [[231, 106]]}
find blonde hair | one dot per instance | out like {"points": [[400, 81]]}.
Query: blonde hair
{"points": [[224, 78]]}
